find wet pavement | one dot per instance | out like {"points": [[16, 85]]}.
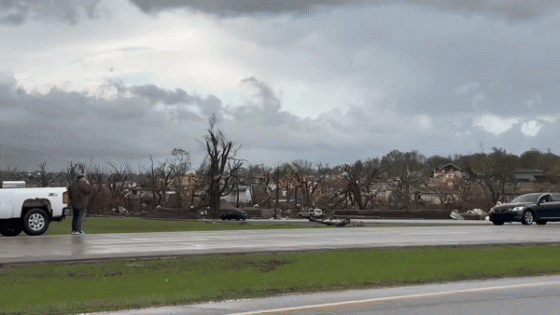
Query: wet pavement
{"points": [[67, 248]]}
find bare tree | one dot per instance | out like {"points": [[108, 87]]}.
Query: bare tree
{"points": [[179, 167], [46, 178], [117, 180], [72, 170], [492, 172], [159, 178], [360, 178], [13, 174], [220, 166], [304, 179], [100, 200], [332, 188], [405, 170]]}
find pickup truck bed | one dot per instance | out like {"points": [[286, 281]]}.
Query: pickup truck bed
{"points": [[31, 209]]}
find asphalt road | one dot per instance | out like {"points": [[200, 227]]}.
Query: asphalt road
{"points": [[535, 295], [105, 246], [539, 295]]}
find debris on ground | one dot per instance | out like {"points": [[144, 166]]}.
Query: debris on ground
{"points": [[329, 221], [456, 216], [474, 214]]}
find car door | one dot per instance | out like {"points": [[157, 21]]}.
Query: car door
{"points": [[546, 209], [553, 207]]}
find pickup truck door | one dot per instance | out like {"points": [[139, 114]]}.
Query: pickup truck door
{"points": [[6, 203]]}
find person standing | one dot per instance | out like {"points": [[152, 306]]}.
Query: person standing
{"points": [[78, 193]]}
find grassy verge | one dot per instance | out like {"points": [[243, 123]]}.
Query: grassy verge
{"points": [[62, 289], [136, 225]]}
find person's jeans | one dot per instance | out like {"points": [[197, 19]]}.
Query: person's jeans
{"points": [[78, 219]]}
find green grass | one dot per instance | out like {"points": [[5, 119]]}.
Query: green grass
{"points": [[86, 287], [135, 225]]}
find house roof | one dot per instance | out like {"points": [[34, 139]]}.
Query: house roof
{"points": [[529, 170], [448, 167]]}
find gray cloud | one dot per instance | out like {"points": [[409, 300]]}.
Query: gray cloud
{"points": [[60, 126], [421, 75], [15, 12], [67, 126], [239, 7], [154, 95], [264, 107], [513, 10]]}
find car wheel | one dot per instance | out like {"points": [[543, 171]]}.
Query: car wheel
{"points": [[10, 229], [35, 222], [541, 222], [527, 218], [498, 222]]}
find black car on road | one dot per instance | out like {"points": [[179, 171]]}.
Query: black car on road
{"points": [[528, 208], [234, 215]]}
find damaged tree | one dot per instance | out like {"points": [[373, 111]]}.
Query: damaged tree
{"points": [[360, 178], [220, 166]]}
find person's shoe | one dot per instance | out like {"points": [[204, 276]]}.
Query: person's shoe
{"points": [[76, 233], [82, 233]]}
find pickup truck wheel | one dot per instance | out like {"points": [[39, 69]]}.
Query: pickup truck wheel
{"points": [[527, 218], [35, 222], [10, 229]]}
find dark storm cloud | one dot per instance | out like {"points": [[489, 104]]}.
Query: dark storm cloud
{"points": [[513, 65], [15, 12], [61, 126], [153, 95], [513, 10], [238, 7]]}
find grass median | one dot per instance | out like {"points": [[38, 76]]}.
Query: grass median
{"points": [[125, 284]]}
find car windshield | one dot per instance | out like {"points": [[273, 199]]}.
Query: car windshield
{"points": [[526, 198]]}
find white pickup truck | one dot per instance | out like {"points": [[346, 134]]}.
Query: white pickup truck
{"points": [[30, 209]]}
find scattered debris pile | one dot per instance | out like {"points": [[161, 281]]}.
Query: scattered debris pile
{"points": [[474, 214], [329, 221], [172, 213]]}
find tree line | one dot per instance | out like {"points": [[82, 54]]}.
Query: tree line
{"points": [[402, 176]]}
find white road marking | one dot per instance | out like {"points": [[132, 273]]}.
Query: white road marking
{"points": [[395, 298]]}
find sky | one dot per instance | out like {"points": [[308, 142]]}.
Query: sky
{"points": [[328, 81]]}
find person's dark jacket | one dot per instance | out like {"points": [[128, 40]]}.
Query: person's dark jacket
{"points": [[78, 193]]}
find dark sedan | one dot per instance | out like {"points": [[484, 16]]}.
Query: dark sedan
{"points": [[234, 215], [529, 208]]}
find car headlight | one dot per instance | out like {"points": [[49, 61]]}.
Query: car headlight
{"points": [[518, 209]]}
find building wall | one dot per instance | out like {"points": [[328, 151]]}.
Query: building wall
{"points": [[244, 196]]}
